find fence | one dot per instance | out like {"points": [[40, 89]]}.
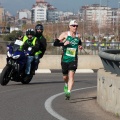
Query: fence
{"points": [[91, 48], [111, 60]]}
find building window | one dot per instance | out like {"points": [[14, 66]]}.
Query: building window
{"points": [[40, 10]]}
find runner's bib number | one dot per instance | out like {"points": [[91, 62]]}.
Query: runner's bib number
{"points": [[71, 52], [18, 42]]}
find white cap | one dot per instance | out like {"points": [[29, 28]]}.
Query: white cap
{"points": [[73, 22]]}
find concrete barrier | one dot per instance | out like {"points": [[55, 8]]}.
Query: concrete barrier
{"points": [[54, 62], [108, 91]]}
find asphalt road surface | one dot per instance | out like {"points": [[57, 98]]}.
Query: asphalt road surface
{"points": [[43, 99]]}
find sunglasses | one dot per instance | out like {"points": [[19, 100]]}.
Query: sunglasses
{"points": [[74, 25]]}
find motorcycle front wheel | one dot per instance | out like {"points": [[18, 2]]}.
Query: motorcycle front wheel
{"points": [[4, 77], [26, 79]]}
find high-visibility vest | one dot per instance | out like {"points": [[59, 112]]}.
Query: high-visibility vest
{"points": [[33, 43], [95, 44], [102, 44], [24, 39], [108, 44]]}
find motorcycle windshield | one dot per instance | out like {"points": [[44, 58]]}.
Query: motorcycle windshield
{"points": [[15, 47]]}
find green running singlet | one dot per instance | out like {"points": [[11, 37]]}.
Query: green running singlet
{"points": [[70, 51]]}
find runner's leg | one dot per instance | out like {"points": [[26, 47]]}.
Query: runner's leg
{"points": [[71, 80], [65, 75]]}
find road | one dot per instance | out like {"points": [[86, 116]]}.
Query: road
{"points": [[43, 99]]}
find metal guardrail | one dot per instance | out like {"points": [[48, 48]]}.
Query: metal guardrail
{"points": [[111, 60], [89, 48]]}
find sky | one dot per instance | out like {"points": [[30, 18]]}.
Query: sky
{"points": [[63, 5]]}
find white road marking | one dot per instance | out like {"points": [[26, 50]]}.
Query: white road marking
{"points": [[43, 71], [84, 71], [48, 103], [38, 71]]}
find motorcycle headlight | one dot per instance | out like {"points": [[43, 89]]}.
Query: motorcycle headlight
{"points": [[7, 48], [16, 57], [8, 54]]}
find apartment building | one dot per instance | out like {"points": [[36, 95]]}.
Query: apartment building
{"points": [[43, 11], [2, 14], [39, 12], [96, 14], [115, 16], [52, 14], [24, 13]]}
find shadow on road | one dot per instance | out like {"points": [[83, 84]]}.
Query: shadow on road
{"points": [[75, 100]]}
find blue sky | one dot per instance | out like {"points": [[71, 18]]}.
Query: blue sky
{"points": [[63, 5]]}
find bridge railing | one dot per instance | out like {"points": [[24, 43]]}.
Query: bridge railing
{"points": [[89, 48], [111, 60]]}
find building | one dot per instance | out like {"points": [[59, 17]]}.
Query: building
{"points": [[101, 15], [39, 13], [52, 14], [2, 14], [114, 18], [43, 11], [24, 13]]}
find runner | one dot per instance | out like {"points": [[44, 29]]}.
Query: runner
{"points": [[70, 40]]}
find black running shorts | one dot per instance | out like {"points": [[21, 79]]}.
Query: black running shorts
{"points": [[66, 67]]}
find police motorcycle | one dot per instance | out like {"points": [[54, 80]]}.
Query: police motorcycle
{"points": [[16, 64]]}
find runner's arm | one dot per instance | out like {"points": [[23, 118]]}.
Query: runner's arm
{"points": [[59, 41]]}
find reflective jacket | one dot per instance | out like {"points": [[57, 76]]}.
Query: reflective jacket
{"points": [[34, 44]]}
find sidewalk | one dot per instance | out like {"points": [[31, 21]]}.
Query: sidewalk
{"points": [[86, 105]]}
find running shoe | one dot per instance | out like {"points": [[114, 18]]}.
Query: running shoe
{"points": [[65, 88], [67, 95]]}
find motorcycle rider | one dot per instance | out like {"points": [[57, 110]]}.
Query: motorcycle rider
{"points": [[31, 45], [42, 44]]}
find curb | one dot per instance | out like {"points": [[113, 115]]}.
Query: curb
{"points": [[60, 71]]}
